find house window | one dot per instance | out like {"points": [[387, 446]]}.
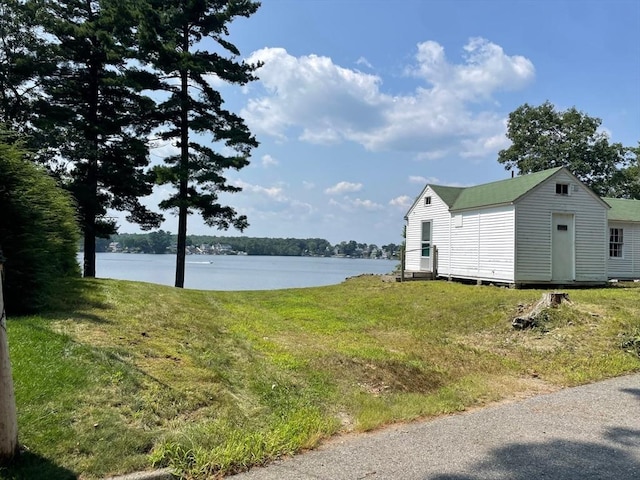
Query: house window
{"points": [[427, 200], [615, 242], [563, 228], [426, 239], [562, 189]]}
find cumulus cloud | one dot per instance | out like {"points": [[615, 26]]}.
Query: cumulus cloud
{"points": [[269, 161], [312, 98], [403, 201], [353, 205], [343, 187]]}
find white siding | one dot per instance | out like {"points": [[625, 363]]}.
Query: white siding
{"points": [[438, 213], [533, 231], [628, 266], [483, 247]]}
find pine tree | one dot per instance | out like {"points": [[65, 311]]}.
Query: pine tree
{"points": [[95, 116], [171, 36]]}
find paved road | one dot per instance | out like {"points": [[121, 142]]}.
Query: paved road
{"points": [[588, 432]]}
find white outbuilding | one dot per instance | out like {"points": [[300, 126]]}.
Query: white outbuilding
{"points": [[542, 228]]}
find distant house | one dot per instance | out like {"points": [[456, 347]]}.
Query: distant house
{"points": [[542, 228]]}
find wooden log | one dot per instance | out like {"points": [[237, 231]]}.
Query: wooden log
{"points": [[8, 417]]}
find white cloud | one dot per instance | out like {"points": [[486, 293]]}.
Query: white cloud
{"points": [[317, 101], [363, 61], [353, 205], [308, 185], [343, 187], [403, 201], [269, 161]]}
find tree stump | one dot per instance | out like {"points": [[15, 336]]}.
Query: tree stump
{"points": [[549, 300]]}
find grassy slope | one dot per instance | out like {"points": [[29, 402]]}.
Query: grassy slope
{"points": [[127, 374]]}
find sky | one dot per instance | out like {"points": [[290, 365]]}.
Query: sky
{"points": [[361, 103]]}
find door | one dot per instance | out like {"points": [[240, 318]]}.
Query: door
{"points": [[563, 247], [426, 250]]}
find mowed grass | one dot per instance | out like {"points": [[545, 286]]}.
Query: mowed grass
{"points": [[125, 376]]}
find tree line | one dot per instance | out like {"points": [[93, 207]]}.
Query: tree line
{"points": [[164, 242]]}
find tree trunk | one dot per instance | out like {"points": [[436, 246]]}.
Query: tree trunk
{"points": [[183, 192], [8, 417]]}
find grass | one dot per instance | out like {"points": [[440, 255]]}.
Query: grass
{"points": [[123, 376]]}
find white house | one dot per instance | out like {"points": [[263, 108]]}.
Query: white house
{"points": [[542, 228]]}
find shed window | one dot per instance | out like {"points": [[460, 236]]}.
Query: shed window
{"points": [[562, 189], [427, 200], [563, 228], [615, 242], [426, 239]]}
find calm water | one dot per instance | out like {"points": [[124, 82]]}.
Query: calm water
{"points": [[222, 272]]}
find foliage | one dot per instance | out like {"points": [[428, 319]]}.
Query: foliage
{"points": [[122, 374], [24, 59], [94, 116], [171, 34], [543, 138], [38, 231], [319, 247]]}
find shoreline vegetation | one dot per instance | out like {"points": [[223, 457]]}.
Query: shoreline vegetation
{"points": [[161, 242], [121, 376]]}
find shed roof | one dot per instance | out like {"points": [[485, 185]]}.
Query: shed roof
{"points": [[494, 193], [623, 210]]}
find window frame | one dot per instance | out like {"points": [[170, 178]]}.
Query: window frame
{"points": [[562, 189], [616, 242]]}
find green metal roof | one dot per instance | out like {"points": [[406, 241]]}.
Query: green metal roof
{"points": [[624, 210], [497, 193], [449, 195]]}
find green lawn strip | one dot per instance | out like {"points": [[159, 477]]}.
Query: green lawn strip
{"points": [[129, 375]]}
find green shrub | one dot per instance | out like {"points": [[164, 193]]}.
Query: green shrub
{"points": [[38, 231]]}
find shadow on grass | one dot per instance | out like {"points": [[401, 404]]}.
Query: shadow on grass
{"points": [[78, 298], [560, 459], [29, 466]]}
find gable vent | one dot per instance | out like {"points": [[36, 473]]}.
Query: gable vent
{"points": [[574, 187]]}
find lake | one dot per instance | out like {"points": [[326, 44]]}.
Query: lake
{"points": [[231, 272]]}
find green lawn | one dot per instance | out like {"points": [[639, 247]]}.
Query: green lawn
{"points": [[123, 376]]}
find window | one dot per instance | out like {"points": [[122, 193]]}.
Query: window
{"points": [[426, 239], [427, 200], [562, 189], [615, 242], [563, 228]]}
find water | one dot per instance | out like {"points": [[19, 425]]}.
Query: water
{"points": [[230, 272]]}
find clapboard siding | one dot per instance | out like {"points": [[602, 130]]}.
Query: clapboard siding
{"points": [[438, 213], [628, 266], [533, 231], [497, 244], [482, 247]]}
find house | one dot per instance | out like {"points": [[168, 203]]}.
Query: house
{"points": [[542, 228], [624, 238]]}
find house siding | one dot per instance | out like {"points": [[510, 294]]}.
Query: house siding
{"points": [[438, 213], [483, 247], [627, 267], [533, 226]]}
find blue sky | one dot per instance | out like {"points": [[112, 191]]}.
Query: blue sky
{"points": [[360, 103]]}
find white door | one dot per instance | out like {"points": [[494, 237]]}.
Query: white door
{"points": [[563, 248], [426, 250]]}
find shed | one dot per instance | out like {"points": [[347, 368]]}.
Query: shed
{"points": [[542, 228], [624, 238]]}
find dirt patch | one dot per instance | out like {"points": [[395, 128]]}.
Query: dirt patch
{"points": [[378, 377]]}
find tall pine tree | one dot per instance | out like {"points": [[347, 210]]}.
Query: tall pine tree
{"points": [[94, 111], [173, 35]]}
